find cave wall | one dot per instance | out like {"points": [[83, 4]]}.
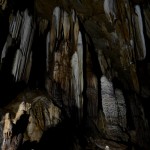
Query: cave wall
{"points": [[91, 57]]}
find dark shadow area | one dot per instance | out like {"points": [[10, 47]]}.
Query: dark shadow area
{"points": [[8, 87], [38, 69], [63, 136], [21, 5], [4, 27]]}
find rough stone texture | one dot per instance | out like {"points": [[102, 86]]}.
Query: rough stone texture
{"points": [[42, 114], [114, 108], [115, 43]]}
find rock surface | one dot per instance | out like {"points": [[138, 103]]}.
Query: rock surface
{"points": [[91, 57]]}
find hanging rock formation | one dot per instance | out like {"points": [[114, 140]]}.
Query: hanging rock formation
{"points": [[92, 60]]}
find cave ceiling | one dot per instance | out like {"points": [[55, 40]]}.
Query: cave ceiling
{"points": [[115, 34]]}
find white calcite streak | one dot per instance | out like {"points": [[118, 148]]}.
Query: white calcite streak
{"points": [[80, 56], [5, 48], [14, 28], [18, 67], [66, 25], [140, 29], [109, 8], [16, 64], [16, 24], [77, 74], [22, 29], [57, 17], [26, 30], [19, 20]]}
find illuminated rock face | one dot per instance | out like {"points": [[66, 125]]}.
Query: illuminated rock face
{"points": [[114, 108], [91, 57]]}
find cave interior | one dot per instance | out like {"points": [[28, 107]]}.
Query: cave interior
{"points": [[75, 74]]}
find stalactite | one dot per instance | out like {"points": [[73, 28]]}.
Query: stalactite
{"points": [[16, 24], [21, 28], [8, 43], [16, 64], [76, 32], [57, 18], [109, 8], [139, 35], [66, 25], [77, 72], [25, 32]]}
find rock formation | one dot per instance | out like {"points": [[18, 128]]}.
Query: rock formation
{"points": [[92, 60]]}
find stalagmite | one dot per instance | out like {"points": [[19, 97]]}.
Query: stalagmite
{"points": [[7, 132], [140, 40], [107, 148], [66, 25], [23, 108]]}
